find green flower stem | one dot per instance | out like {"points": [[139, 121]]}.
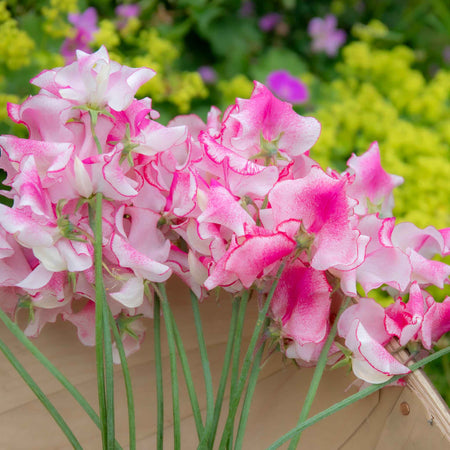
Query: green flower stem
{"points": [[248, 397], [224, 376], [105, 370], [109, 375], [205, 364], [237, 341], [318, 372], [243, 301], [127, 381], [234, 402], [158, 370], [352, 399], [40, 395], [173, 365], [188, 379], [99, 324], [19, 334]]}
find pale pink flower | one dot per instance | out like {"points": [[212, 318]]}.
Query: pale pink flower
{"points": [[95, 80], [362, 326], [326, 37]]}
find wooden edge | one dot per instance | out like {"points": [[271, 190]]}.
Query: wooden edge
{"points": [[427, 394]]}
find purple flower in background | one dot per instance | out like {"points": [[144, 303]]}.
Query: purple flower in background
{"points": [[269, 21], [287, 87], [326, 37], [446, 54], [247, 9], [85, 25], [128, 11], [208, 74], [125, 13]]}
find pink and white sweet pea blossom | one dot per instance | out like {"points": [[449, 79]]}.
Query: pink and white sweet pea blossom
{"points": [[95, 80], [218, 204], [301, 308], [320, 202], [371, 186], [362, 326], [404, 320], [265, 120]]}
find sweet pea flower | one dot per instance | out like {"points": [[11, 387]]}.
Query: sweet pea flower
{"points": [[326, 37], [362, 326], [95, 80], [287, 87], [301, 307], [267, 127]]}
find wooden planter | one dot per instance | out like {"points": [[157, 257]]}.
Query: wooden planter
{"points": [[413, 417]]}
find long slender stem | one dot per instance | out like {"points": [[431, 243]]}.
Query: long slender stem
{"points": [[173, 366], [224, 375], [158, 370], [248, 397], [237, 341], [237, 351], [40, 395], [96, 225], [234, 403], [19, 334], [127, 381], [352, 399], [188, 379], [318, 372], [205, 364], [109, 377]]}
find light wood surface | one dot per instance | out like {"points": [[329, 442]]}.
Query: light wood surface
{"points": [[376, 422]]}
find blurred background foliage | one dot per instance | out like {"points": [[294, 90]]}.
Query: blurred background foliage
{"points": [[389, 81]]}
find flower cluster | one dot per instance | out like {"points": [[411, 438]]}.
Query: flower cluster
{"points": [[224, 203]]}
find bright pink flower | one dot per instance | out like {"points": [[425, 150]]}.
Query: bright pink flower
{"points": [[320, 202], [242, 175], [287, 87], [257, 253], [301, 304], [436, 322], [371, 186], [267, 126], [224, 209], [404, 320]]}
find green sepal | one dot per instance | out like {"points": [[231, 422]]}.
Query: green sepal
{"points": [[123, 323]]}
